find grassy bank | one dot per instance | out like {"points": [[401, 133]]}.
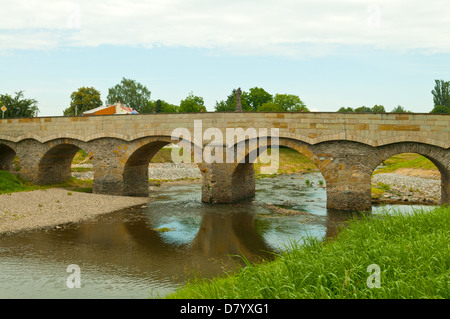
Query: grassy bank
{"points": [[411, 251], [406, 160], [10, 183]]}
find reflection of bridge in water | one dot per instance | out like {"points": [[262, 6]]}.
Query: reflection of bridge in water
{"points": [[128, 240], [345, 147]]}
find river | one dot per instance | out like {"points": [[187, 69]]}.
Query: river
{"points": [[151, 250]]}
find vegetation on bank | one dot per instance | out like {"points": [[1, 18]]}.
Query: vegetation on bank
{"points": [[406, 160], [10, 183], [411, 251]]}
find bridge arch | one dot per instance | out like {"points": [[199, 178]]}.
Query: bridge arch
{"points": [[136, 161], [243, 174], [54, 166], [7, 155], [438, 156]]}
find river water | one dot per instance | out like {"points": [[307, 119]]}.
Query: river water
{"points": [[151, 250]]}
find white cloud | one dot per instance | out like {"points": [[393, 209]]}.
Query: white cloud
{"points": [[277, 27]]}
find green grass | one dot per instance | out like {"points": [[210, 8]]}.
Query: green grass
{"points": [[290, 162], [10, 183], [406, 160], [411, 250]]}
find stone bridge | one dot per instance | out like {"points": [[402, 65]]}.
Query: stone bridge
{"points": [[345, 147]]}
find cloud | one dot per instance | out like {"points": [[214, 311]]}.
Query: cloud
{"points": [[274, 27]]}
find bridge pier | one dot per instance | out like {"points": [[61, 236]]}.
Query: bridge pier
{"points": [[341, 196], [227, 182]]}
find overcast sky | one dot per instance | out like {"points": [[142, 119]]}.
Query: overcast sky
{"points": [[331, 53]]}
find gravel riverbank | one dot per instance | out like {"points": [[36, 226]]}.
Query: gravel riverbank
{"points": [[161, 171], [409, 189], [52, 207]]}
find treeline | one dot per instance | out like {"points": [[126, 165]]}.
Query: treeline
{"points": [[138, 96], [374, 109], [441, 100]]}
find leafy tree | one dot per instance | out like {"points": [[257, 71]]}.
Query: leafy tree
{"points": [[257, 97], [400, 109], [131, 93], [270, 107], [285, 103], [441, 96], [346, 110], [159, 107], [440, 109], [222, 106], [192, 103], [85, 99], [378, 109], [229, 105], [18, 106], [363, 109]]}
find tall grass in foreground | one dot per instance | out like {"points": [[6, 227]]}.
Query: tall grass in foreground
{"points": [[411, 250]]}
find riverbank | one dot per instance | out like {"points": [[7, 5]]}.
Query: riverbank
{"points": [[413, 265], [407, 186], [54, 207]]}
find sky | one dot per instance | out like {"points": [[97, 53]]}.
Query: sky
{"points": [[331, 53]]}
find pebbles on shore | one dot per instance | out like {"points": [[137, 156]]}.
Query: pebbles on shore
{"points": [[161, 171], [411, 189], [52, 207]]}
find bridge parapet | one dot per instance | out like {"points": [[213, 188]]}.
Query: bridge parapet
{"points": [[312, 128]]}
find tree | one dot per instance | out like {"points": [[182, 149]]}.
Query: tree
{"points": [[229, 105], [192, 103], [285, 103], [85, 99], [378, 109], [400, 109], [440, 109], [257, 97], [159, 106], [18, 106], [346, 110], [131, 93], [270, 107], [363, 109], [441, 96]]}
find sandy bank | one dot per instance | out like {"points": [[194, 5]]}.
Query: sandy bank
{"points": [[52, 207]]}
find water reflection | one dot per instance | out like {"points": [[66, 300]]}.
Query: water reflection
{"points": [[160, 245]]}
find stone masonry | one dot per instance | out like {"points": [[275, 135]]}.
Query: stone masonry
{"points": [[346, 147]]}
